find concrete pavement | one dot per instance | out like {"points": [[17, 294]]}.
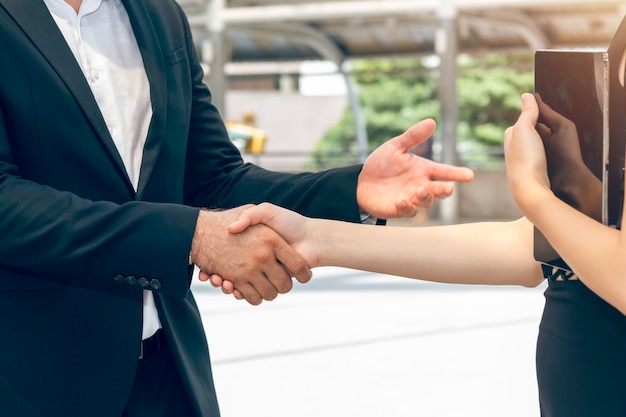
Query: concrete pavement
{"points": [[351, 343]]}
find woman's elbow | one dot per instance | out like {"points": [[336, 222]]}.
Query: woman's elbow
{"points": [[532, 277], [532, 281]]}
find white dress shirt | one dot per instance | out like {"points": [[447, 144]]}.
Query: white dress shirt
{"points": [[104, 45]]}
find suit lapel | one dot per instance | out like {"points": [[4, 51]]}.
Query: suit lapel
{"points": [[36, 22], [154, 64]]}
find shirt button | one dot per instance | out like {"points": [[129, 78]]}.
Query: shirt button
{"points": [[155, 284], [119, 279], [131, 280], [143, 282]]}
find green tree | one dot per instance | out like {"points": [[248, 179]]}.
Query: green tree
{"points": [[489, 101], [396, 93]]}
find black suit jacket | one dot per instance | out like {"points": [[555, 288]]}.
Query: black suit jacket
{"points": [[78, 244]]}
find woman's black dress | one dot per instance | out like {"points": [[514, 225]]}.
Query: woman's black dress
{"points": [[581, 353]]}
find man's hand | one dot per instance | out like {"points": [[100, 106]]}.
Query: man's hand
{"points": [[258, 261], [293, 227], [395, 183]]}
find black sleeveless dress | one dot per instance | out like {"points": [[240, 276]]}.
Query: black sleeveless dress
{"points": [[581, 353]]}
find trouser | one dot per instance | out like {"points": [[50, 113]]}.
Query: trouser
{"points": [[158, 391]]}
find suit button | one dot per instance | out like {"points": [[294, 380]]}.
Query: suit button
{"points": [[143, 282], [120, 279], [131, 280], [155, 284]]}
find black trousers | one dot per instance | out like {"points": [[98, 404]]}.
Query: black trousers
{"points": [[158, 391]]}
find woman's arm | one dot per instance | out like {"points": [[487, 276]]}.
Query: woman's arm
{"points": [[473, 253], [595, 252]]}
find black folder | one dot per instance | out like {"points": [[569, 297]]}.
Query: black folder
{"points": [[587, 87]]}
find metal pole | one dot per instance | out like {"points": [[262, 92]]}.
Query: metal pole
{"points": [[360, 123], [214, 53], [446, 47]]}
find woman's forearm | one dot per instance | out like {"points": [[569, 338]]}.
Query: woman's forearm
{"points": [[474, 253], [595, 252]]}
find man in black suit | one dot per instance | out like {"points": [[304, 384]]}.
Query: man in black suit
{"points": [[109, 146]]}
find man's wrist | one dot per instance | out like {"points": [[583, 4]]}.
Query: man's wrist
{"points": [[198, 236]]}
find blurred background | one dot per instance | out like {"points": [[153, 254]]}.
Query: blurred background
{"points": [[310, 85], [325, 82], [355, 344]]}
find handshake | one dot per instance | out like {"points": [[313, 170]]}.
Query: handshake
{"points": [[255, 251]]}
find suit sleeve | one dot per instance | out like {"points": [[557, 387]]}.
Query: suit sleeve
{"points": [[55, 235]]}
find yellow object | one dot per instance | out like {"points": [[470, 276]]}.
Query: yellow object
{"points": [[251, 138]]}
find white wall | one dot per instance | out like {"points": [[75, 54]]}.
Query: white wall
{"points": [[292, 122]]}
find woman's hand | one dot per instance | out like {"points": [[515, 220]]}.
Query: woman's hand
{"points": [[570, 178], [525, 156], [293, 227], [543, 154]]}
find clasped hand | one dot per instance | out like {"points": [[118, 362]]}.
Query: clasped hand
{"points": [[257, 261]]}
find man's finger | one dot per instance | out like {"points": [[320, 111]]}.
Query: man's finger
{"points": [[250, 294], [415, 135], [294, 263], [440, 189], [407, 209], [263, 284], [280, 277], [446, 172]]}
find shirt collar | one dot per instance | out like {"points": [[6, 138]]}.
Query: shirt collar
{"points": [[63, 10]]}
